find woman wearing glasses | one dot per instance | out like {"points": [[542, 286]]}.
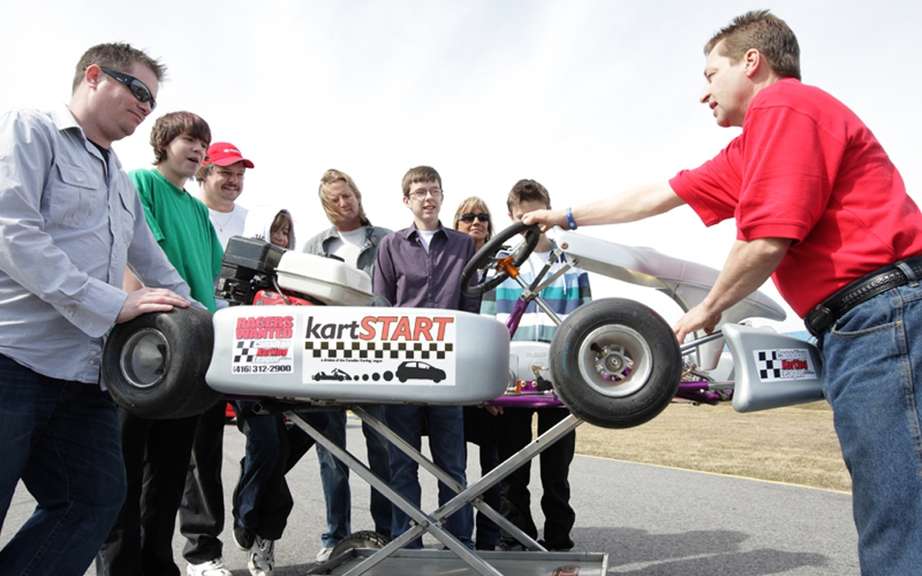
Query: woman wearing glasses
{"points": [[473, 218]]}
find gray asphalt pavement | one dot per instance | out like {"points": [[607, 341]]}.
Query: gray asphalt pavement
{"points": [[651, 521]]}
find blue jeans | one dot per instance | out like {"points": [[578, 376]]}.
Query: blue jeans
{"points": [[446, 443], [62, 439], [335, 477], [873, 363], [262, 500]]}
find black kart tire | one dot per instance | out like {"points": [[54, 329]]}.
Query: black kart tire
{"points": [[615, 363], [154, 366], [471, 281], [357, 540]]}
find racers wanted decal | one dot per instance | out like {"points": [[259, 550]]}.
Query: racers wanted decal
{"points": [[263, 345], [410, 348], [784, 364]]}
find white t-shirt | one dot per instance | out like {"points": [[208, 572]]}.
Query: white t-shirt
{"points": [[426, 237], [228, 224], [349, 245]]}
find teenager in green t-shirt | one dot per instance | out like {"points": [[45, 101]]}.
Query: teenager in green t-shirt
{"points": [[157, 451]]}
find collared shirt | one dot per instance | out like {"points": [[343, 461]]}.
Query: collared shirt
{"points": [[321, 246], [409, 276], [70, 220]]}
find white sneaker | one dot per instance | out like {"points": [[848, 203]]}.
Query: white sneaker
{"points": [[262, 557], [211, 568], [324, 554]]}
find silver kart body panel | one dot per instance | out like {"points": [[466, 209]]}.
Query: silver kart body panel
{"points": [[529, 359], [772, 370], [359, 354]]}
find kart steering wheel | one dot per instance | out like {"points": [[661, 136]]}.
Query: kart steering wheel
{"points": [[503, 262]]}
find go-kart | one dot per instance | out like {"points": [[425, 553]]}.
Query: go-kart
{"points": [[301, 329], [615, 362]]}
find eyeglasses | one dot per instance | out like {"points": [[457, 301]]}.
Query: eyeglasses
{"points": [[469, 217], [420, 193], [138, 89]]}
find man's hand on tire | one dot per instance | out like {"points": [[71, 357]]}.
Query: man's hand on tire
{"points": [[149, 300]]}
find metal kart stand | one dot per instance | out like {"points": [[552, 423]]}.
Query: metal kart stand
{"points": [[456, 559]]}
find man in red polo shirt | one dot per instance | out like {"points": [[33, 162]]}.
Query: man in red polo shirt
{"points": [[820, 208]]}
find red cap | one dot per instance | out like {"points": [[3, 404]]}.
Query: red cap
{"points": [[225, 154]]}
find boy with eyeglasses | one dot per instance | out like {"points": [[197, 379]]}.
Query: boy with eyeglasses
{"points": [[71, 221], [420, 267], [157, 451], [566, 293]]}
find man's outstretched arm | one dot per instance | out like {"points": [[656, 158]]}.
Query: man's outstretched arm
{"points": [[633, 204]]}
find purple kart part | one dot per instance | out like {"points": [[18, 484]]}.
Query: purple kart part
{"points": [[698, 391], [528, 400]]}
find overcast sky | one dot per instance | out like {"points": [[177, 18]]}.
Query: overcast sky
{"points": [[585, 96]]}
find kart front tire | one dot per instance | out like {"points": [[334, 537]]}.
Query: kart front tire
{"points": [[154, 366], [615, 363]]}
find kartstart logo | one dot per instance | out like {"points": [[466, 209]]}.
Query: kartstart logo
{"points": [[382, 329]]}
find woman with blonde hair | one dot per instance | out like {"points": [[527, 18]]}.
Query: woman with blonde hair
{"points": [[473, 218], [352, 239]]}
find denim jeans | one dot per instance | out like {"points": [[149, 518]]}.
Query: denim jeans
{"points": [[873, 366], [262, 500], [446, 443], [335, 477], [61, 438]]}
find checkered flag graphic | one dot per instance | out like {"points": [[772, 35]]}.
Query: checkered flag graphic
{"points": [[379, 350], [768, 365], [245, 352]]}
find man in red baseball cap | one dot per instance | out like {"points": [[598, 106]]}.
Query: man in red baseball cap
{"points": [[201, 514], [221, 178]]}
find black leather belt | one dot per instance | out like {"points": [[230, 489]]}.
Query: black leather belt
{"points": [[825, 314]]}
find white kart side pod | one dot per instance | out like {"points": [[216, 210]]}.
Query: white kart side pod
{"points": [[772, 370]]}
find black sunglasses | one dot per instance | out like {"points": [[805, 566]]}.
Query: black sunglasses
{"points": [[469, 217], [138, 89]]}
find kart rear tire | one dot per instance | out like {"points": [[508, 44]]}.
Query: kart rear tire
{"points": [[154, 366], [615, 363], [357, 540]]}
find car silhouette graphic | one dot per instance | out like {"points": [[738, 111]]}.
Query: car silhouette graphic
{"points": [[419, 371], [336, 374]]}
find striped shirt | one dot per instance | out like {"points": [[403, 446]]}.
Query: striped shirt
{"points": [[566, 293]]}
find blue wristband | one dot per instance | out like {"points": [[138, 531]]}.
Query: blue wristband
{"points": [[571, 222]]}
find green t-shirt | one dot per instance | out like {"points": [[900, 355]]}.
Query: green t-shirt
{"points": [[181, 226]]}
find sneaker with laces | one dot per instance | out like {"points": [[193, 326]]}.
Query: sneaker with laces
{"points": [[243, 538], [211, 568], [324, 554], [262, 557]]}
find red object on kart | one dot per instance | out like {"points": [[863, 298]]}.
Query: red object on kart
{"points": [[272, 298]]}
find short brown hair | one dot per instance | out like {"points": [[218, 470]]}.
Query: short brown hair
{"points": [[331, 177], [203, 171], [419, 174], [527, 191], [765, 32], [474, 203], [173, 125], [119, 56]]}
